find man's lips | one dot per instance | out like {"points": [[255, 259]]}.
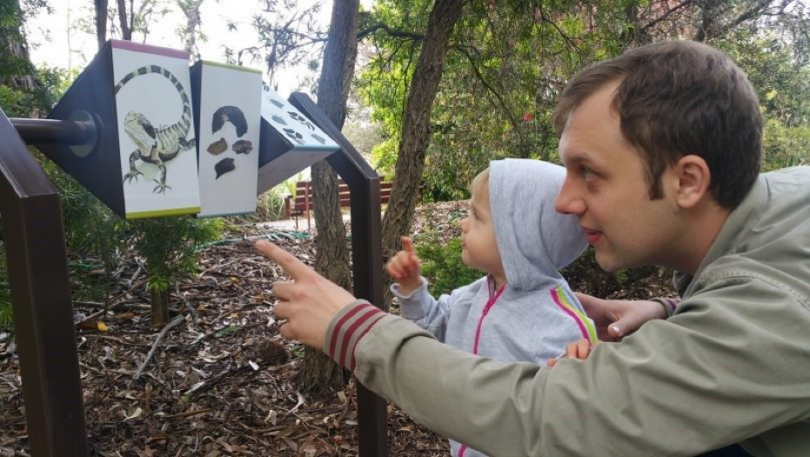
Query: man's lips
{"points": [[592, 236]]}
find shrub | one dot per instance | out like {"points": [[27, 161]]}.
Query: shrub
{"points": [[169, 246], [586, 276], [442, 264]]}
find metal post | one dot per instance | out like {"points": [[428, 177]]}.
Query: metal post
{"points": [[51, 131], [40, 296], [364, 186]]}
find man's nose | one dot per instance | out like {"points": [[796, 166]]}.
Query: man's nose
{"points": [[568, 202]]}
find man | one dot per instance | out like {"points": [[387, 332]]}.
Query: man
{"points": [[662, 148]]}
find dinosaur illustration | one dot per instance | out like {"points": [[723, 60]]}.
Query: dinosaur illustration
{"points": [[156, 145]]}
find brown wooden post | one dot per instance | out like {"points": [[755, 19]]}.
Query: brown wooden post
{"points": [[364, 186], [40, 296]]}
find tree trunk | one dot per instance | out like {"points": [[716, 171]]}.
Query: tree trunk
{"points": [[707, 19], [192, 11], [415, 126], [319, 373], [18, 72], [126, 25], [160, 307], [101, 22]]}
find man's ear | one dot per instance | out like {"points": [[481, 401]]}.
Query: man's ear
{"points": [[692, 177]]}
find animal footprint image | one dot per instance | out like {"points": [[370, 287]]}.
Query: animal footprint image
{"points": [[301, 119], [297, 137], [279, 120], [224, 166], [277, 103], [242, 147], [218, 147], [318, 138], [230, 114]]}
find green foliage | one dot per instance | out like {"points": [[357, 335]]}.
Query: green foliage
{"points": [[781, 80], [52, 83], [509, 60], [90, 226], [14, 102], [91, 229], [785, 146], [584, 275], [442, 264], [24, 91], [169, 246], [384, 156], [505, 68], [270, 206], [290, 185]]}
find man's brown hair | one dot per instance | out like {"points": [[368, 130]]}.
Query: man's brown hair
{"points": [[677, 98]]}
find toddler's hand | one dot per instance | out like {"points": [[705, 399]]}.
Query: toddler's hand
{"points": [[406, 268], [580, 349]]}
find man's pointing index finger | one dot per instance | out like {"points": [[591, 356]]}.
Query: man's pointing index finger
{"points": [[296, 269]]}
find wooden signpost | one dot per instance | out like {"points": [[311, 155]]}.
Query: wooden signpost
{"points": [[126, 131]]}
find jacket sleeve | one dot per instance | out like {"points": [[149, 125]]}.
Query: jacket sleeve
{"points": [[425, 311], [731, 364]]}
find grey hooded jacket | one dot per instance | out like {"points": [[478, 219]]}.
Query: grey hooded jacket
{"points": [[536, 314]]}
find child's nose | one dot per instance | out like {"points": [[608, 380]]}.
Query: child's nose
{"points": [[464, 225]]}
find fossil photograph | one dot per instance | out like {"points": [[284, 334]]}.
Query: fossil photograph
{"points": [[229, 126]]}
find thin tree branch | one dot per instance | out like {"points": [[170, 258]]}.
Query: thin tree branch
{"points": [[492, 90], [559, 30], [757, 8], [392, 32], [126, 33], [177, 321], [101, 22], [664, 16]]}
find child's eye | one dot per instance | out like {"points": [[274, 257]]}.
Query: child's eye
{"points": [[586, 172]]}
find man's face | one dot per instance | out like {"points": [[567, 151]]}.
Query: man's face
{"points": [[606, 188]]}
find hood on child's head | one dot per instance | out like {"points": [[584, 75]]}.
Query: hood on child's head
{"points": [[534, 240]]}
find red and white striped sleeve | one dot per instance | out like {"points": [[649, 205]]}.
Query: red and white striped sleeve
{"points": [[347, 328]]}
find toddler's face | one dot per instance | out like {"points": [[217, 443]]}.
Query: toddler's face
{"points": [[479, 247]]}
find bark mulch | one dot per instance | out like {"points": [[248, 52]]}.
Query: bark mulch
{"points": [[219, 382]]}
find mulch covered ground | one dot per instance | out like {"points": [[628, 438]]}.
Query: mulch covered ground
{"points": [[220, 380]]}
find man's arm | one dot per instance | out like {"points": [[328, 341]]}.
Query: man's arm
{"points": [[730, 365], [677, 387]]}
